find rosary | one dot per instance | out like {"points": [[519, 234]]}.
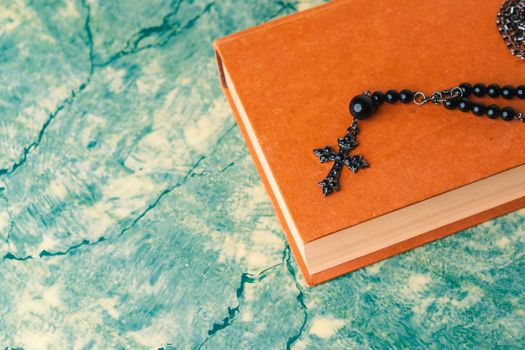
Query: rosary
{"points": [[363, 106], [511, 25]]}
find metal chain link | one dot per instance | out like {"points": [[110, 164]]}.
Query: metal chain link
{"points": [[511, 25]]}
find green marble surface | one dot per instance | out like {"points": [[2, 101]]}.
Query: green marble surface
{"points": [[131, 214]]}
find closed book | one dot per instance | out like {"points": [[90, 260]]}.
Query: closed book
{"points": [[432, 171]]}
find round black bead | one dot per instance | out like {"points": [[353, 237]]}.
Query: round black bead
{"points": [[465, 105], [493, 112], [520, 92], [378, 97], [508, 113], [478, 109], [466, 88], [362, 107], [451, 104], [391, 96], [479, 90], [493, 90], [508, 92], [406, 96]]}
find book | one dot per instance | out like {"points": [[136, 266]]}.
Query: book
{"points": [[433, 172]]}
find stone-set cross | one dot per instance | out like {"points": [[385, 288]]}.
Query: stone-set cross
{"points": [[341, 158]]}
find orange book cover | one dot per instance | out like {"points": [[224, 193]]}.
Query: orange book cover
{"points": [[294, 77]]}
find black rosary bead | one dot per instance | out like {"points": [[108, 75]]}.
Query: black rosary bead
{"points": [[508, 92], [479, 90], [465, 105], [378, 97], [451, 104], [362, 107], [391, 96], [520, 92], [478, 109], [493, 112], [466, 88], [493, 90], [406, 96], [508, 113]]}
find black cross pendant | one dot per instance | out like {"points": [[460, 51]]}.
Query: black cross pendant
{"points": [[341, 158]]}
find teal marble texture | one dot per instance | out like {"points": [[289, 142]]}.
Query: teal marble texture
{"points": [[131, 214]]}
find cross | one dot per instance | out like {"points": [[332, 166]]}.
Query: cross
{"points": [[327, 154]]}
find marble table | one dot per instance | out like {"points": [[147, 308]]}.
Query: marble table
{"points": [[131, 214]]}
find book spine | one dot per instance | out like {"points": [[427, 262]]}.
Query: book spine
{"points": [[220, 68]]}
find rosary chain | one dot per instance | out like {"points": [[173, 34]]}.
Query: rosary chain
{"points": [[511, 25], [458, 97]]}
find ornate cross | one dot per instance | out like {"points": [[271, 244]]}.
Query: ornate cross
{"points": [[346, 143]]}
